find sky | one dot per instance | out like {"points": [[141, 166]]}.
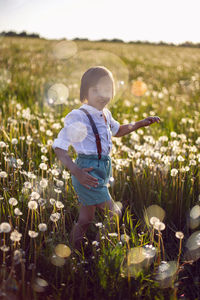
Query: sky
{"points": [[171, 21]]}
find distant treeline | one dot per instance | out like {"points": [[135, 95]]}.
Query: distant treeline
{"points": [[161, 43]]}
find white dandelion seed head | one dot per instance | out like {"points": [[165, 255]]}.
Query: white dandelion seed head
{"points": [[32, 204], [5, 227]]}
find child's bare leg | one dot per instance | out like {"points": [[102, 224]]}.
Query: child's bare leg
{"points": [[86, 216], [114, 211]]}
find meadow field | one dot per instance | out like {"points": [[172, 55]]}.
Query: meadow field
{"points": [[154, 251]]}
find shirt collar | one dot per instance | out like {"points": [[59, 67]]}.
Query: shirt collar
{"points": [[92, 109]]}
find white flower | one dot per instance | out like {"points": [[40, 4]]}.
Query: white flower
{"points": [[15, 236], [95, 243], [17, 211], [14, 141], [32, 204], [55, 217], [35, 195], [42, 227], [113, 234], [44, 183], [174, 172], [5, 227], [32, 233], [43, 166], [59, 204], [3, 174], [153, 220], [13, 201], [159, 226], [179, 235]]}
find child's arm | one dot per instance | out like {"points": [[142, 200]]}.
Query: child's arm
{"points": [[81, 174], [127, 128]]}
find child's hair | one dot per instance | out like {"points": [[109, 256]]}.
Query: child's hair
{"points": [[91, 77]]}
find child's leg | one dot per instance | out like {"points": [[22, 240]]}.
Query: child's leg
{"points": [[86, 216], [113, 210]]}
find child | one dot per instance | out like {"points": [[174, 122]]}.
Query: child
{"points": [[92, 168]]}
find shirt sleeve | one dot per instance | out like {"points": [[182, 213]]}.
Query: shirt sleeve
{"points": [[63, 139], [114, 125]]}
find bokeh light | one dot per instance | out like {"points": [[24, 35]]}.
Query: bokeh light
{"points": [[166, 273], [138, 88], [194, 218], [5, 78], [39, 285], [62, 250], [79, 63], [76, 132], [57, 260], [64, 49], [193, 246], [57, 94], [154, 211]]}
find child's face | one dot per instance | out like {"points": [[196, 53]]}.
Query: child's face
{"points": [[100, 94]]}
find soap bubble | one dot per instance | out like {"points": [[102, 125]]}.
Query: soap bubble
{"points": [[57, 261], [62, 250], [5, 78], [193, 246], [133, 263], [194, 217], [79, 63], [57, 94], [166, 273], [39, 285], [76, 132], [154, 211], [64, 49]]}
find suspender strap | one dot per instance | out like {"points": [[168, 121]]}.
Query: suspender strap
{"points": [[94, 128]]}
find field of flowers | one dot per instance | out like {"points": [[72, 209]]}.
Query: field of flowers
{"points": [[154, 251]]}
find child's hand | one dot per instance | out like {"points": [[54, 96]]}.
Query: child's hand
{"points": [[150, 120], [86, 179]]}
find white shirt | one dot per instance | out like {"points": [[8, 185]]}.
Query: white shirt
{"points": [[77, 131]]}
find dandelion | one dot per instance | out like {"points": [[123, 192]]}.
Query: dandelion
{"points": [[52, 201], [174, 172], [180, 158], [5, 227], [27, 185], [42, 227], [43, 166], [35, 196], [14, 141], [160, 226], [17, 211], [3, 174], [179, 235], [15, 236], [59, 204], [55, 217], [32, 204], [44, 183], [13, 201], [32, 234], [5, 248], [153, 220]]}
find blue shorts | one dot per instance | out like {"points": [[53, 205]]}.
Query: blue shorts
{"points": [[102, 170]]}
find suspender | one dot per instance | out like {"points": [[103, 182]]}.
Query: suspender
{"points": [[94, 128]]}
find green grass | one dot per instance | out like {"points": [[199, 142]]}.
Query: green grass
{"points": [[141, 161]]}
